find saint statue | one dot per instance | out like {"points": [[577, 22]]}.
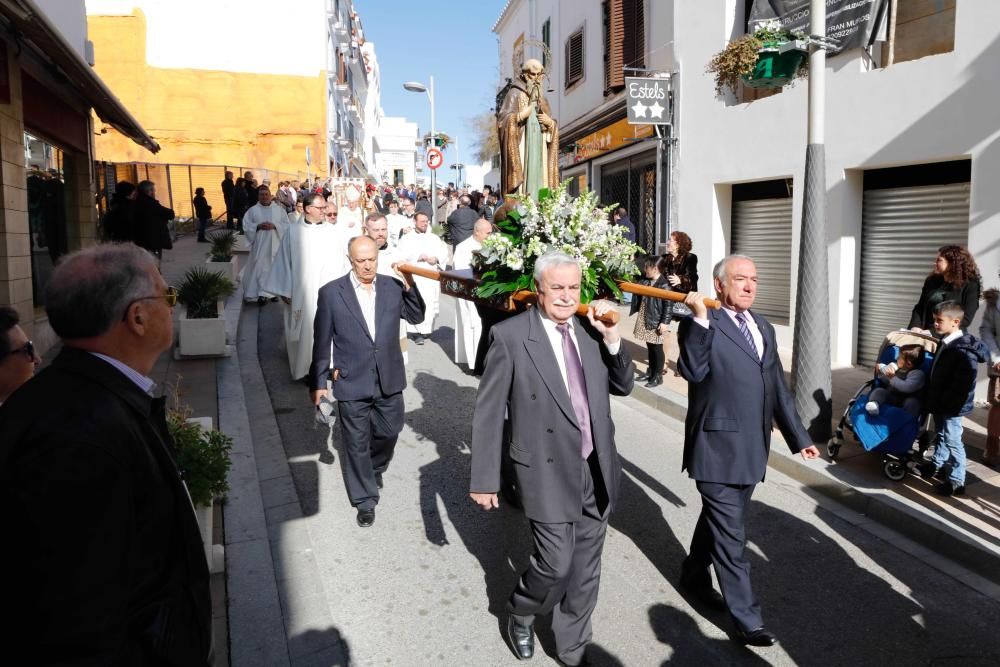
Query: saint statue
{"points": [[529, 139]]}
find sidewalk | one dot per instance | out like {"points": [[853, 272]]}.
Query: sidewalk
{"points": [[965, 529]]}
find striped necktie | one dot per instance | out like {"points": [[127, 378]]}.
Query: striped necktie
{"points": [[741, 319]]}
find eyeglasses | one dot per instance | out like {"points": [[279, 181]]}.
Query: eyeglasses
{"points": [[331, 215], [170, 296], [28, 350], [316, 206]]}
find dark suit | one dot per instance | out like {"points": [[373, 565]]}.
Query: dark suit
{"points": [[568, 499], [227, 196], [149, 223], [461, 224], [102, 558], [372, 376], [734, 399]]}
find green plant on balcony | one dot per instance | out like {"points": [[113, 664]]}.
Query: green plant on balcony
{"points": [[768, 57]]}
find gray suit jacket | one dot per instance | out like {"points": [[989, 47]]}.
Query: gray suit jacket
{"points": [[733, 400], [522, 380]]}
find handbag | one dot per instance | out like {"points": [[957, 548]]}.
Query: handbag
{"points": [[680, 310]]}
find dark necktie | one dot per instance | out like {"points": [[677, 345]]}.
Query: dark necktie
{"points": [[741, 318], [577, 390]]}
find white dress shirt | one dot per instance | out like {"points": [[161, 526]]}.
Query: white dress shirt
{"points": [[758, 337], [366, 298], [555, 340]]}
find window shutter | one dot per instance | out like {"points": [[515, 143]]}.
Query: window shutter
{"points": [[634, 44], [614, 43], [574, 58]]}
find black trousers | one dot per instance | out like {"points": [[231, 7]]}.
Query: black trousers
{"points": [[655, 351], [565, 574], [720, 540], [370, 427]]}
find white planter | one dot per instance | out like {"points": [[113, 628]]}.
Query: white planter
{"points": [[202, 337], [230, 269], [204, 516]]}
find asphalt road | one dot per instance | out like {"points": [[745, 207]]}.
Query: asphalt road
{"points": [[427, 584]]}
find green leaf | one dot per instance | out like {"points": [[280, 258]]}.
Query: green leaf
{"points": [[612, 285], [544, 194]]}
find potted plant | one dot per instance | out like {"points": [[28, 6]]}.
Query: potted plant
{"points": [[202, 328], [202, 456], [768, 57], [220, 255]]}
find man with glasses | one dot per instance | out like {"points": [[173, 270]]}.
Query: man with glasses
{"points": [[311, 254], [18, 360], [100, 532]]}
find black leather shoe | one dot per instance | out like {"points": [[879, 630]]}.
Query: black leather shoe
{"points": [[521, 638], [366, 518], [642, 378], [703, 591], [654, 382], [758, 637], [378, 480], [419, 339]]}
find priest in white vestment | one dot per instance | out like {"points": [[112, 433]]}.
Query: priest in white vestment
{"points": [[422, 247], [264, 225], [309, 257], [468, 326], [352, 216], [399, 224], [377, 229]]}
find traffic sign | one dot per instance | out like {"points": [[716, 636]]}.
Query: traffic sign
{"points": [[434, 158]]}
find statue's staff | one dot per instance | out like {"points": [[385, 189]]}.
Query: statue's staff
{"points": [[525, 297]]}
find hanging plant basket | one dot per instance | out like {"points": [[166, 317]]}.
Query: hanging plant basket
{"points": [[775, 69]]}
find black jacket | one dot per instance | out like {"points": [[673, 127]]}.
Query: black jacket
{"points": [[658, 311], [102, 557], [149, 223], [952, 383], [685, 268], [227, 191], [936, 290], [461, 224], [118, 220], [202, 210]]}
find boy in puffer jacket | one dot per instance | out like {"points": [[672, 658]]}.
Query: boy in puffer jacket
{"points": [[949, 396]]}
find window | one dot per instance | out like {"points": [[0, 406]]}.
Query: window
{"points": [[547, 40], [574, 58], [918, 29], [624, 40]]}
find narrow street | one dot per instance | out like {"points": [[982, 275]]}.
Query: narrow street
{"points": [[428, 583]]}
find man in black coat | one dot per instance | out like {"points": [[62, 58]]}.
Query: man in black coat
{"points": [[358, 315], [102, 558], [149, 220], [462, 222], [227, 195], [736, 394]]}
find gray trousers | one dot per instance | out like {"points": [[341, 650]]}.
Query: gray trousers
{"points": [[720, 540], [370, 427], [565, 574]]}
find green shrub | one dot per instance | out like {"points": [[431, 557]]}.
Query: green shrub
{"points": [[201, 290], [202, 458], [223, 242]]}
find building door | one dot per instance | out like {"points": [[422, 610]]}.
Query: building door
{"points": [[631, 184], [902, 227], [762, 230]]}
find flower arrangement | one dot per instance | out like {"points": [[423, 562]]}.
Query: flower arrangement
{"points": [[579, 227], [741, 57]]}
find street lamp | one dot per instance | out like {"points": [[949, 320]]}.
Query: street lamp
{"points": [[417, 87]]}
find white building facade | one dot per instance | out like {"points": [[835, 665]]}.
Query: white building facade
{"points": [[395, 149]]}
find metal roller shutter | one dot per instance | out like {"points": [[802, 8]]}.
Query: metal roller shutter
{"points": [[901, 231], [762, 230]]}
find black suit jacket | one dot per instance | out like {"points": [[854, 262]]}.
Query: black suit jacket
{"points": [[149, 223], [364, 362], [461, 224], [733, 400], [523, 382], [102, 558]]}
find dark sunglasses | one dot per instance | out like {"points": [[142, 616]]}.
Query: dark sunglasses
{"points": [[28, 349], [170, 296]]}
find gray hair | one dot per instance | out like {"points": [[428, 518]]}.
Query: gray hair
{"points": [[91, 289], [553, 259], [719, 272]]}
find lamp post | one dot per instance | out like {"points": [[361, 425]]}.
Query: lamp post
{"points": [[417, 87]]}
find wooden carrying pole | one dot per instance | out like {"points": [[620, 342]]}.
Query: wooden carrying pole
{"points": [[524, 297]]}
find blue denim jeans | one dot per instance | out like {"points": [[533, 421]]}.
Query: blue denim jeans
{"points": [[949, 452]]}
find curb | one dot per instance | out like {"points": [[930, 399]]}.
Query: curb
{"points": [[899, 514]]}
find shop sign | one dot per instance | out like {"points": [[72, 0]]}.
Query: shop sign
{"points": [[614, 136], [647, 100]]}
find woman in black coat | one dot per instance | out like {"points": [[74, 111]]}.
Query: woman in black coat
{"points": [[680, 269], [955, 278]]}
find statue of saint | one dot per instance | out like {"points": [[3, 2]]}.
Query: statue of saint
{"points": [[529, 139]]}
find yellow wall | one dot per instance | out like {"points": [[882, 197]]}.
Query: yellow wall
{"points": [[206, 116]]}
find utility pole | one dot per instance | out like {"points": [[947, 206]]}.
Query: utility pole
{"points": [[811, 374]]}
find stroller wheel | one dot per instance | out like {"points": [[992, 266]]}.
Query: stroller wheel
{"points": [[894, 470], [832, 448]]}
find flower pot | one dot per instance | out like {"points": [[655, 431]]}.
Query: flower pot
{"points": [[774, 69], [204, 516], [229, 269], [202, 337]]}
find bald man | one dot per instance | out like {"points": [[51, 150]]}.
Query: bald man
{"points": [[358, 317], [468, 326]]}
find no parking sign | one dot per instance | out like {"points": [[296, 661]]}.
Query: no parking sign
{"points": [[434, 158]]}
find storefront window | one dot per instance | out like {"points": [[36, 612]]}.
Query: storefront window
{"points": [[46, 210]]}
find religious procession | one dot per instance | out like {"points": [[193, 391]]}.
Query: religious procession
{"points": [[288, 380]]}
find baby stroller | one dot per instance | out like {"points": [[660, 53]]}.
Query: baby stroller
{"points": [[893, 431]]}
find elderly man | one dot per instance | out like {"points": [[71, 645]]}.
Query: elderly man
{"points": [[18, 360], [546, 392], [102, 548], [310, 255], [468, 326], [358, 318], [149, 221], [424, 248], [461, 222], [377, 229], [736, 394], [264, 225]]}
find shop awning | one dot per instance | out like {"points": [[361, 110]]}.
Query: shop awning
{"points": [[33, 27]]}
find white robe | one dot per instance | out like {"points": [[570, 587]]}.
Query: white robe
{"points": [[397, 222], [386, 257], [350, 221], [264, 244], [468, 326], [412, 246], [310, 256]]}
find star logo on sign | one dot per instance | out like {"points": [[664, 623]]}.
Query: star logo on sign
{"points": [[655, 110], [640, 109]]}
